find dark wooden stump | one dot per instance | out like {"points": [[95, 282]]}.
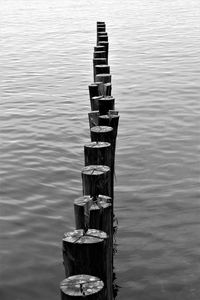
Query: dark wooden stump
{"points": [[102, 69], [95, 102], [105, 78], [81, 211], [93, 90], [102, 38], [85, 253], [105, 104], [97, 153], [99, 48], [107, 89], [93, 117], [99, 54], [106, 45], [96, 180], [99, 61]]}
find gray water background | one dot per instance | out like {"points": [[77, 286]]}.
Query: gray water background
{"points": [[46, 52]]}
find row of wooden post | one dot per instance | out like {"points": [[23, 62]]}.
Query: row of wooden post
{"points": [[88, 250]]}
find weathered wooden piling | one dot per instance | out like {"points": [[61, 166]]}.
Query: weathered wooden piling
{"points": [[100, 23], [102, 38], [97, 153], [99, 61], [106, 45], [102, 69], [99, 48], [95, 103], [96, 180], [101, 28], [81, 211], [93, 117], [105, 104], [102, 33], [105, 134], [82, 287], [102, 134], [84, 252], [99, 54], [107, 89], [105, 78], [94, 213], [111, 120], [93, 90]]}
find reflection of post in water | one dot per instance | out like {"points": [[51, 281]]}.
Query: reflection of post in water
{"points": [[88, 251]]}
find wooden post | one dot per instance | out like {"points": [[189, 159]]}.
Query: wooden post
{"points": [[97, 153], [107, 89], [101, 28], [99, 48], [93, 90], [102, 134], [106, 45], [99, 61], [105, 104], [105, 78], [100, 54], [84, 252], [102, 69], [93, 117], [106, 204], [102, 33], [111, 120], [95, 102], [105, 134], [82, 287], [96, 180], [102, 38], [81, 211], [100, 23], [96, 214]]}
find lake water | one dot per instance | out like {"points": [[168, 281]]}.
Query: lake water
{"points": [[46, 66]]}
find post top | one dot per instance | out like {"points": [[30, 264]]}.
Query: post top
{"points": [[80, 237], [79, 285], [97, 145], [101, 129]]}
